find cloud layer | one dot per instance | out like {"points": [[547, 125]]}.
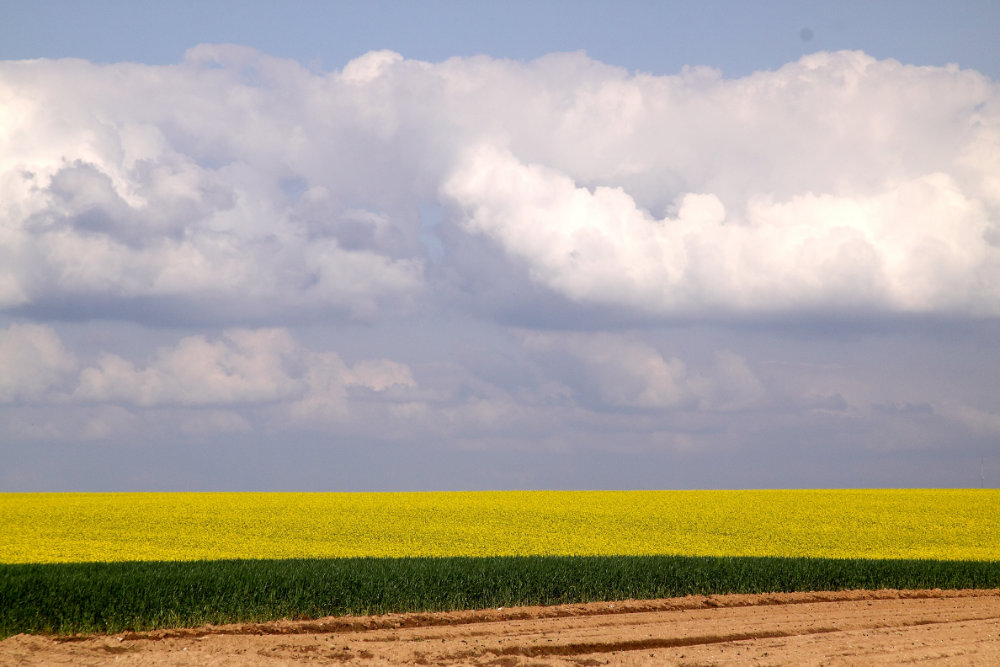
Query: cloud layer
{"points": [[500, 260], [235, 186]]}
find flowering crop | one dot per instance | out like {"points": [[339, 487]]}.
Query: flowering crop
{"points": [[881, 524]]}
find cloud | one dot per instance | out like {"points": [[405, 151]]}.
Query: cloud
{"points": [[34, 363], [235, 186], [919, 247], [733, 385], [617, 371], [982, 422], [128, 182], [239, 381], [242, 367], [331, 382]]}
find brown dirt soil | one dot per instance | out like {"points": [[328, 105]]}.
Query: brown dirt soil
{"points": [[839, 628]]}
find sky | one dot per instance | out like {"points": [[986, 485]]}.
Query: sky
{"points": [[406, 246]]}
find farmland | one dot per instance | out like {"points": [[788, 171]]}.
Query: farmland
{"points": [[108, 562], [879, 524]]}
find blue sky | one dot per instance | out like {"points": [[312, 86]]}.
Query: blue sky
{"points": [[443, 245], [657, 37]]}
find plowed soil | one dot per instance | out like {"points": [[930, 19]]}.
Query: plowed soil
{"points": [[841, 628]]}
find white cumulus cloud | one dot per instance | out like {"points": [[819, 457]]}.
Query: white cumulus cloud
{"points": [[236, 185], [920, 246]]}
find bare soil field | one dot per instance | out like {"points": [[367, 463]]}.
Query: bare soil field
{"points": [[839, 628]]}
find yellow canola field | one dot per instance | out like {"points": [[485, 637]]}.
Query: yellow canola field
{"points": [[75, 527]]}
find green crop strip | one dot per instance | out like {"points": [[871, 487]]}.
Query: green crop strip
{"points": [[112, 597]]}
